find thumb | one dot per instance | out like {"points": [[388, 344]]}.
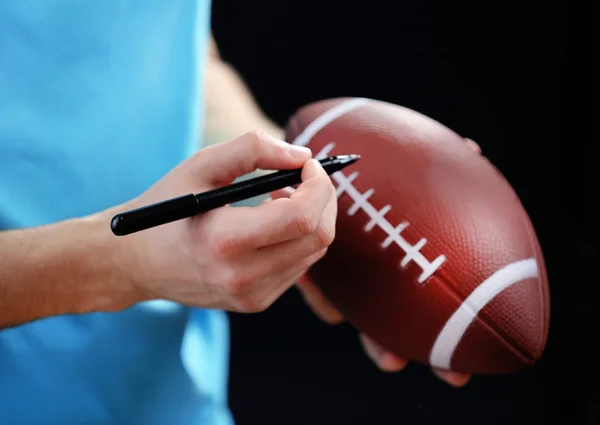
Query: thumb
{"points": [[221, 163]]}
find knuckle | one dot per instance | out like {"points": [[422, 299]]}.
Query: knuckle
{"points": [[223, 246], [257, 139], [228, 245], [237, 284], [306, 222]]}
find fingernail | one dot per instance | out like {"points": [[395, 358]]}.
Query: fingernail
{"points": [[299, 152], [391, 363]]}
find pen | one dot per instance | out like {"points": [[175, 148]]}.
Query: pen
{"points": [[192, 204]]}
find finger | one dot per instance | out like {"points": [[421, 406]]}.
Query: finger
{"points": [[221, 163], [288, 257], [242, 229], [303, 207], [455, 379], [284, 254], [285, 280], [384, 360], [262, 294], [317, 301]]}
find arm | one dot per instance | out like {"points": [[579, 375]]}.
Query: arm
{"points": [[78, 266], [65, 268], [231, 109], [235, 259]]}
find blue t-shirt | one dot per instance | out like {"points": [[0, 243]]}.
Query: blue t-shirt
{"points": [[98, 100]]}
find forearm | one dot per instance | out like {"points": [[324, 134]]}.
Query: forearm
{"points": [[66, 268], [231, 109]]}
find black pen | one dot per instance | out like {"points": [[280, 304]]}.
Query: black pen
{"points": [[193, 204]]}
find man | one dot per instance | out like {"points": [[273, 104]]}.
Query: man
{"points": [[101, 111]]}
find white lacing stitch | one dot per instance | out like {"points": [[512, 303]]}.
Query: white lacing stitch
{"points": [[361, 202]]}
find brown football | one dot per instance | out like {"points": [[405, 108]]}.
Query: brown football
{"points": [[435, 257]]}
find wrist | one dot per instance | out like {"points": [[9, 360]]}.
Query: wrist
{"points": [[106, 265]]}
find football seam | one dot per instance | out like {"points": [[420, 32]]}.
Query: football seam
{"points": [[483, 319], [394, 233]]}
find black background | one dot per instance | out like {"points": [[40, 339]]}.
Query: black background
{"points": [[492, 71]]}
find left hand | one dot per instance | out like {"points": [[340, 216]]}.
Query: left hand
{"points": [[384, 360]]}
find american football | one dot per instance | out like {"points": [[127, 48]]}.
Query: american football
{"points": [[435, 257]]}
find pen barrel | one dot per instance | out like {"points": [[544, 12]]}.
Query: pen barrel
{"points": [[154, 215], [191, 204], [244, 190]]}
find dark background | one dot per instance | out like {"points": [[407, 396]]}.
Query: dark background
{"points": [[493, 72]]}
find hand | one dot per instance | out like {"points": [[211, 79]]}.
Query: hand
{"points": [[233, 258], [386, 361]]}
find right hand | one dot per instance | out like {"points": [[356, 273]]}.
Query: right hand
{"points": [[233, 258]]}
